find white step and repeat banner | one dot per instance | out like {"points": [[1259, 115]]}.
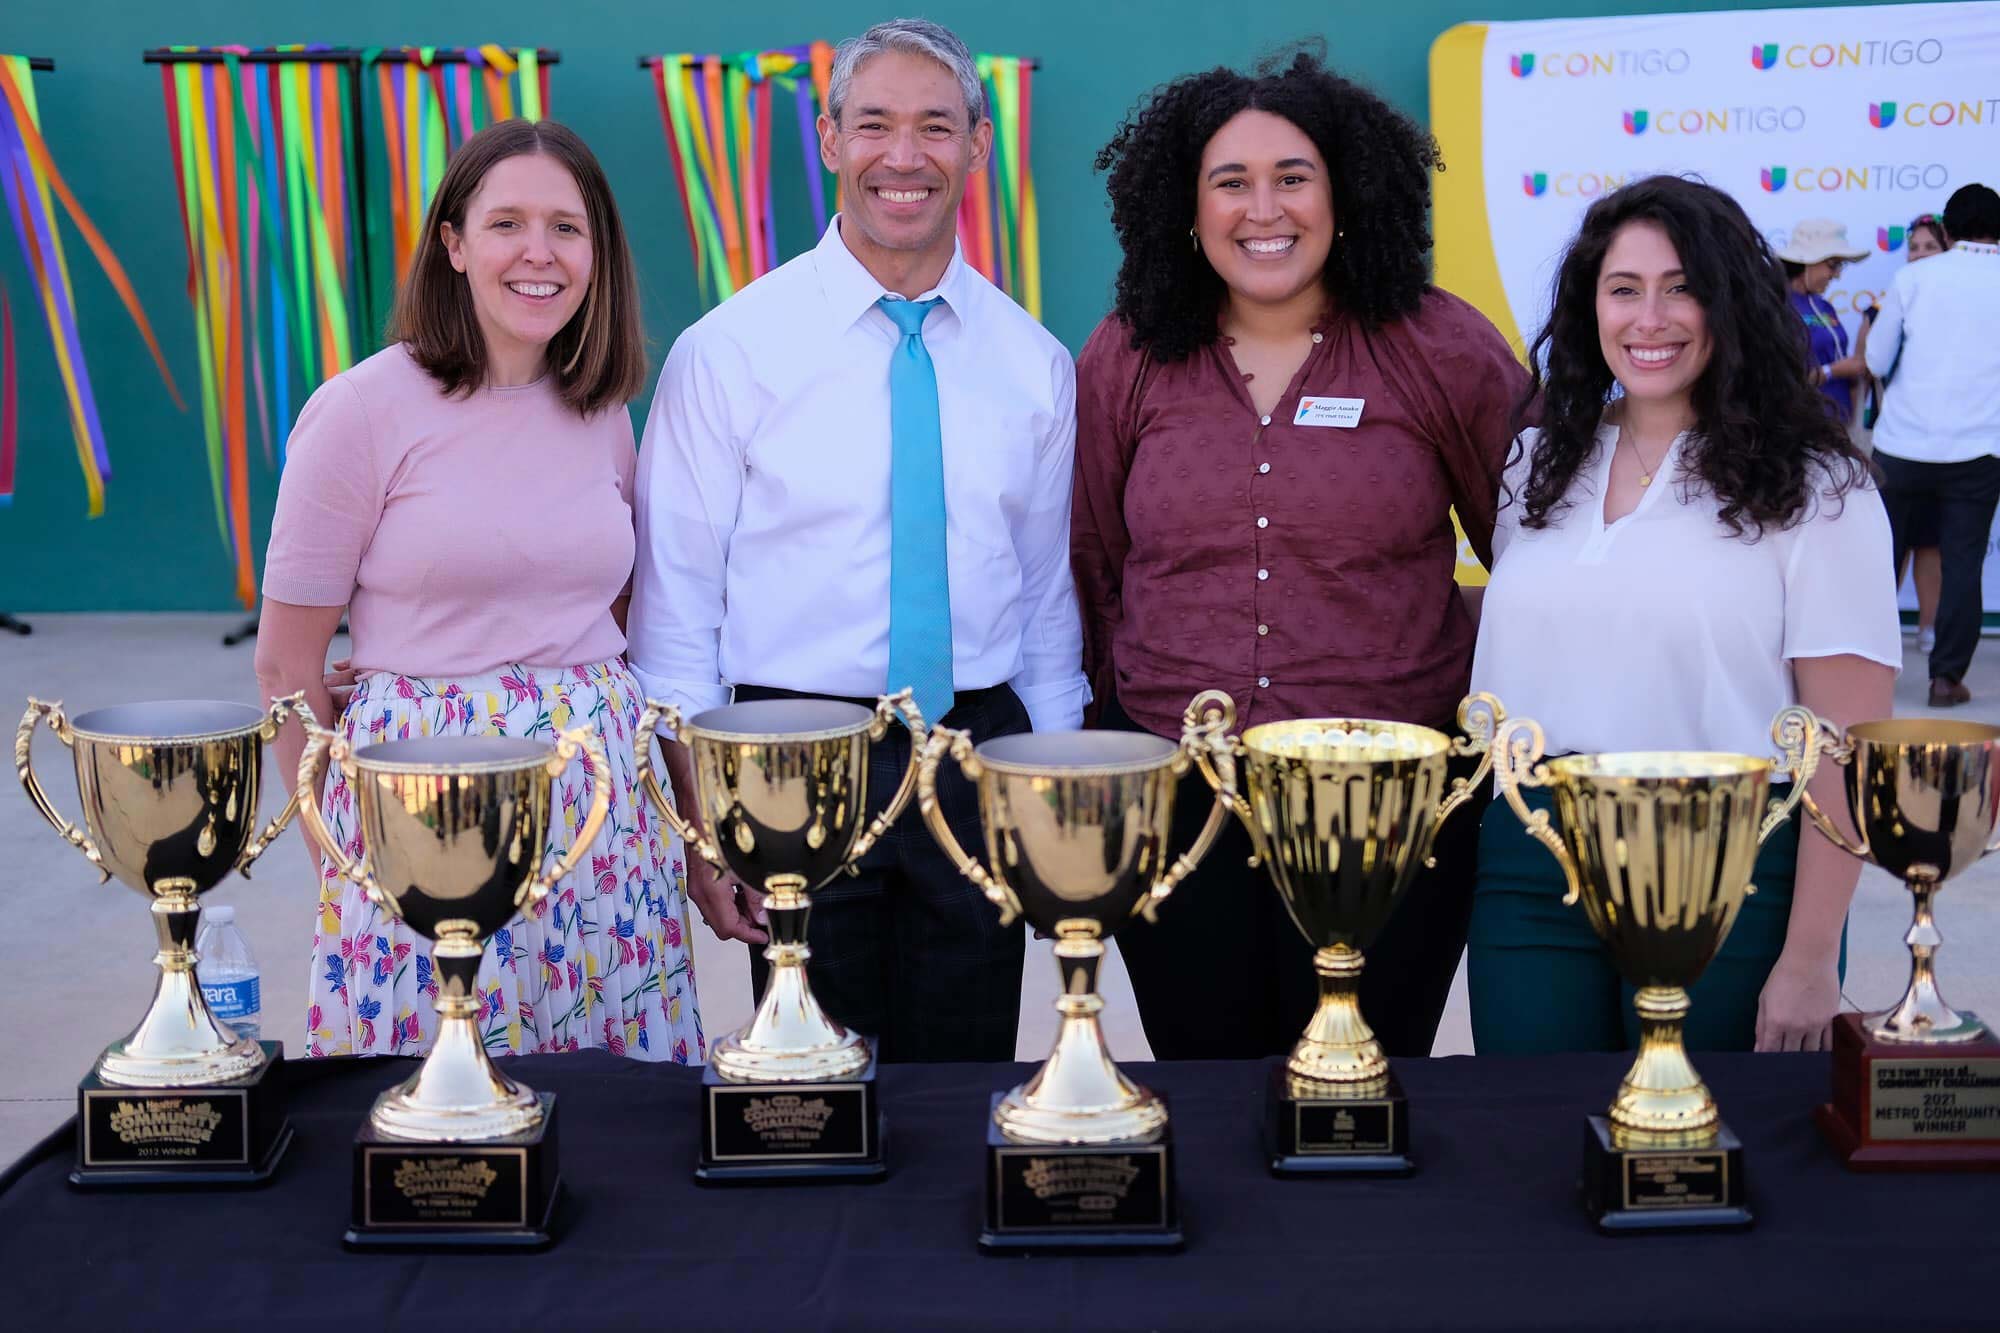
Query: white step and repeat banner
{"points": [[1869, 115]]}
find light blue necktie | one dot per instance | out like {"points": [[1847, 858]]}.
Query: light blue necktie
{"points": [[919, 579]]}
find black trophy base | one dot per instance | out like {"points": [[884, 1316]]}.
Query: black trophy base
{"points": [[1628, 1190], [1308, 1133], [790, 1133], [1104, 1197], [494, 1194], [221, 1134]]}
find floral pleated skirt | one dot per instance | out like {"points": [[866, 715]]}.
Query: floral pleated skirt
{"points": [[603, 961]]}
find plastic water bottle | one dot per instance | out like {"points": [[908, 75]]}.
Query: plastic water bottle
{"points": [[228, 974]]}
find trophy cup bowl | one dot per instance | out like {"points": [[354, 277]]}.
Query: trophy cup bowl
{"points": [[1659, 848], [1916, 1086], [782, 790], [169, 793], [1343, 812], [1076, 829], [454, 830]]}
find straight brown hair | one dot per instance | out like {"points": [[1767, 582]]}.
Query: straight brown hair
{"points": [[598, 359]]}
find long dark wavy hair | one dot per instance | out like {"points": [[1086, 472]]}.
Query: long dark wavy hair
{"points": [[1378, 165], [1763, 440]]}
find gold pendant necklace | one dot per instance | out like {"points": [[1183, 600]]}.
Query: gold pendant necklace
{"points": [[1645, 473]]}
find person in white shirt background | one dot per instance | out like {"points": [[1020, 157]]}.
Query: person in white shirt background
{"points": [[792, 529], [1937, 441], [1670, 570]]}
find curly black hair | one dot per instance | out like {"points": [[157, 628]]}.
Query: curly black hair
{"points": [[1762, 440], [1378, 160]]}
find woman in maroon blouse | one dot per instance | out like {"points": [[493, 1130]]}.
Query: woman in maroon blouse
{"points": [[1273, 428]]}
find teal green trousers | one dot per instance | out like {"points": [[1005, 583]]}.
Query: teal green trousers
{"points": [[1541, 981]]}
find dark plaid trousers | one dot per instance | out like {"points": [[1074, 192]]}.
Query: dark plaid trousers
{"points": [[908, 951]]}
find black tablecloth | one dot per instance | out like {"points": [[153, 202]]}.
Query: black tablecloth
{"points": [[1487, 1235]]}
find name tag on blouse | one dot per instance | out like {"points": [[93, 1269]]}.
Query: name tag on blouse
{"points": [[1343, 413]]}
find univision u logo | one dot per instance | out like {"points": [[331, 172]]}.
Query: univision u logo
{"points": [[1523, 65], [1635, 122], [1774, 179], [1881, 114], [1765, 56], [1535, 184], [1889, 239]]}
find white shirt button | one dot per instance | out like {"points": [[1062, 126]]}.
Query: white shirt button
{"points": [[1263, 467], [1319, 337], [1265, 422], [1263, 522], [1263, 682], [1263, 630], [1263, 574]]}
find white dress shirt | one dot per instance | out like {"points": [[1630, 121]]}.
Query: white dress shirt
{"points": [[1943, 315], [763, 494], [1661, 631]]}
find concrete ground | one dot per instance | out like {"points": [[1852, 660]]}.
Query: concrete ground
{"points": [[74, 955]]}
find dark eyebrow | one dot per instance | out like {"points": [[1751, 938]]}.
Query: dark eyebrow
{"points": [[929, 113], [1221, 168], [1670, 273], [523, 208]]}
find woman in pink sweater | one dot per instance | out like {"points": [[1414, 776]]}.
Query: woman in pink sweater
{"points": [[465, 496]]}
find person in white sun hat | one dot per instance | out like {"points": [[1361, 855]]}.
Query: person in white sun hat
{"points": [[1814, 256]]}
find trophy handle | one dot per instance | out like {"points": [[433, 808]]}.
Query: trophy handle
{"points": [[1205, 738], [1797, 732], [1517, 762], [940, 740], [281, 709], [24, 765], [569, 744], [1829, 739], [325, 748], [1479, 717], [691, 837], [903, 702]]}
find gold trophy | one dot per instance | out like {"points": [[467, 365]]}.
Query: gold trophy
{"points": [[1343, 812], [783, 790], [1659, 847], [169, 794], [1917, 1087], [1076, 826], [454, 830]]}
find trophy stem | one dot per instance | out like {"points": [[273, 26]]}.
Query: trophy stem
{"points": [[456, 1095], [791, 1039], [1079, 1095], [1339, 1047], [1922, 1015], [179, 1043], [1662, 1100]]}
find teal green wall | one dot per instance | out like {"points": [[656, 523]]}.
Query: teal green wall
{"points": [[156, 547]]}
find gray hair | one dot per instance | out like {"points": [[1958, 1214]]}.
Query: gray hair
{"points": [[915, 37]]}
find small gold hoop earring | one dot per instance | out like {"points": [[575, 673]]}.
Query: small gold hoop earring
{"points": [[1194, 238]]}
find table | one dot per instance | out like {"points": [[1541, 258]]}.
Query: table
{"points": [[1487, 1235]]}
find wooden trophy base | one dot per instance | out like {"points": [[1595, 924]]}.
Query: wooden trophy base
{"points": [[177, 1138], [1627, 1190], [1309, 1131], [1103, 1197], [790, 1132], [1910, 1106], [495, 1194]]}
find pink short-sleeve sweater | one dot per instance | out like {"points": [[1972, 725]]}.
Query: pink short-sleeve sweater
{"points": [[461, 534]]}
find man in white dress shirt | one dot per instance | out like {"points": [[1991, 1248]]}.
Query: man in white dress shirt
{"points": [[793, 449], [1938, 438]]}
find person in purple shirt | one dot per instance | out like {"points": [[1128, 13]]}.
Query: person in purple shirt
{"points": [[1814, 256]]}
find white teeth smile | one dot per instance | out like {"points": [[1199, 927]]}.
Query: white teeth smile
{"points": [[534, 288], [1646, 356], [904, 196], [1274, 247]]}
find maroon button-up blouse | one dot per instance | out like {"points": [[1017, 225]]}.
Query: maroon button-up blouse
{"points": [[1307, 570]]}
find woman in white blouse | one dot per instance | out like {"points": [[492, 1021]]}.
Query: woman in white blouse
{"points": [[1674, 563]]}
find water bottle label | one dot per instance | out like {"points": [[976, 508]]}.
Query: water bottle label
{"points": [[233, 999]]}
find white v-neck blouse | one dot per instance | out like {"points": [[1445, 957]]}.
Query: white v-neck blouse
{"points": [[1662, 631]]}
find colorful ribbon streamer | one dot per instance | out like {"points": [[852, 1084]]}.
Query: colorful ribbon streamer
{"points": [[266, 183], [32, 185], [716, 112], [431, 105]]}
